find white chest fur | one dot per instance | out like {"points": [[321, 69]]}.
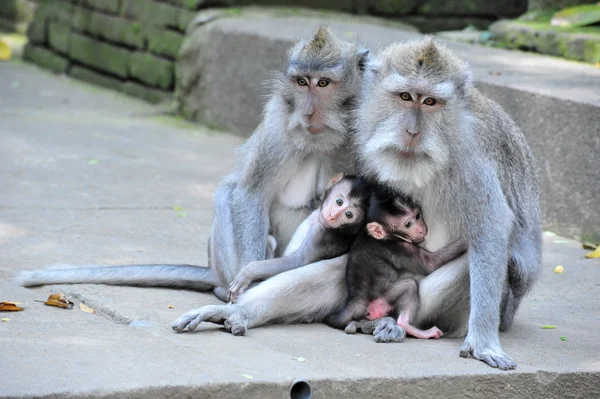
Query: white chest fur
{"points": [[310, 178]]}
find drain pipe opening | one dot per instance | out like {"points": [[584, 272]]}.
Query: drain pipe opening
{"points": [[300, 390]]}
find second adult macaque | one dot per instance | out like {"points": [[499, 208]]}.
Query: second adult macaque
{"points": [[385, 265], [326, 233]]}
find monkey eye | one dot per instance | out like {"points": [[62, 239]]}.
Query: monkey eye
{"points": [[302, 82], [349, 215], [323, 83], [405, 96], [339, 201], [429, 101], [419, 216], [407, 225]]}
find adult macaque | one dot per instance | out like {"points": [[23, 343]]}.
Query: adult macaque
{"points": [[423, 129], [385, 265], [282, 170], [326, 233]]}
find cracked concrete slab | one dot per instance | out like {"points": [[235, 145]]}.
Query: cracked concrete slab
{"points": [[56, 206]]}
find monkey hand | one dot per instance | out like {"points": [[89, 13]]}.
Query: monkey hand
{"points": [[492, 354], [238, 286]]}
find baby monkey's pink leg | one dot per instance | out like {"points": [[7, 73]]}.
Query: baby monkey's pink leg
{"points": [[404, 322]]}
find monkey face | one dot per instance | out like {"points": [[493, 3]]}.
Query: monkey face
{"points": [[410, 227], [412, 112], [340, 209]]}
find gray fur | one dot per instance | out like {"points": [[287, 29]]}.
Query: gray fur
{"points": [[475, 181]]}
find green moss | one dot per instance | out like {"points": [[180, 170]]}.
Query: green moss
{"points": [[591, 51], [546, 26]]}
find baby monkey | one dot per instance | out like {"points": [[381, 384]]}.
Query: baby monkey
{"points": [[326, 233], [385, 264]]}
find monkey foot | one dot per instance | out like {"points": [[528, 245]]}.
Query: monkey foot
{"points": [[236, 324], [493, 357], [190, 320], [433, 332]]}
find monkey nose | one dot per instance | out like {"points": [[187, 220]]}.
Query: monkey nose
{"points": [[412, 133]]}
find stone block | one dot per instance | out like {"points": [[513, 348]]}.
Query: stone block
{"points": [[45, 58], [111, 6], [96, 78], [472, 8], [59, 36], [37, 32], [392, 7], [152, 12], [164, 42], [149, 94], [57, 10], [111, 28], [152, 70], [102, 56]]}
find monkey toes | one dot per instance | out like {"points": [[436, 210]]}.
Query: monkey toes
{"points": [[494, 358]]}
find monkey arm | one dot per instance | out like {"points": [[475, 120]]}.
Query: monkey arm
{"points": [[431, 261], [260, 270]]}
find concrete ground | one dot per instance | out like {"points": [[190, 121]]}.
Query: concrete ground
{"points": [[90, 176]]}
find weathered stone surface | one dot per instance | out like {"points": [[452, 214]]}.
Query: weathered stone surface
{"points": [[96, 78], [111, 6], [15, 10], [99, 55], [428, 24], [164, 42], [149, 94], [472, 8], [45, 58], [152, 70], [111, 28], [59, 36], [152, 12], [392, 7], [37, 32], [555, 4], [523, 36], [58, 10]]}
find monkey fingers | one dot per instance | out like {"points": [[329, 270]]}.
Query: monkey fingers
{"points": [[211, 313], [238, 286], [494, 358]]}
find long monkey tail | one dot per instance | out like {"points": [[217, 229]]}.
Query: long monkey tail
{"points": [[172, 276]]}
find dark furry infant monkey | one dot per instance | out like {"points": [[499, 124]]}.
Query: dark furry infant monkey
{"points": [[385, 265], [326, 233]]}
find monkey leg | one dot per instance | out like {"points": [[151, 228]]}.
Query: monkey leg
{"points": [[407, 291], [222, 252], [212, 313], [306, 294], [355, 309], [384, 329], [523, 270]]}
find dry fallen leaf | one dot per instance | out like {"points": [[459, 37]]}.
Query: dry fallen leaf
{"points": [[559, 269], [595, 254], [563, 339], [6, 319], [248, 376], [587, 245], [171, 307], [548, 327], [86, 308], [300, 359], [60, 300], [10, 307], [178, 208]]}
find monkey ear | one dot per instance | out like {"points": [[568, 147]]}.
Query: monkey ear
{"points": [[363, 58], [334, 180], [376, 230]]}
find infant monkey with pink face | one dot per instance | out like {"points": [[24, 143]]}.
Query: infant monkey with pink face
{"points": [[380, 229]]}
